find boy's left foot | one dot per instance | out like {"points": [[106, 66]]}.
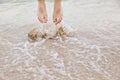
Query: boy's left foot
{"points": [[57, 14]]}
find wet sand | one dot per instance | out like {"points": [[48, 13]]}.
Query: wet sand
{"points": [[93, 53]]}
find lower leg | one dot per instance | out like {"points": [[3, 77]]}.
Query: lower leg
{"points": [[42, 13], [57, 14]]}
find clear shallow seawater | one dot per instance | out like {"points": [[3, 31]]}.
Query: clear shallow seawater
{"points": [[93, 53]]}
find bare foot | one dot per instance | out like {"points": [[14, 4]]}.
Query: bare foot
{"points": [[57, 14], [42, 13]]}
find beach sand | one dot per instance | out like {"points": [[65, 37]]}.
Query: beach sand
{"points": [[93, 53]]}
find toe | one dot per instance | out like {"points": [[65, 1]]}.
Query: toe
{"points": [[58, 20], [43, 19], [40, 19]]}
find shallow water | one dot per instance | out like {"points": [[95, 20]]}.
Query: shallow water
{"points": [[93, 53]]}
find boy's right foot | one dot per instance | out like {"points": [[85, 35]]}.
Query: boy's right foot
{"points": [[42, 13]]}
